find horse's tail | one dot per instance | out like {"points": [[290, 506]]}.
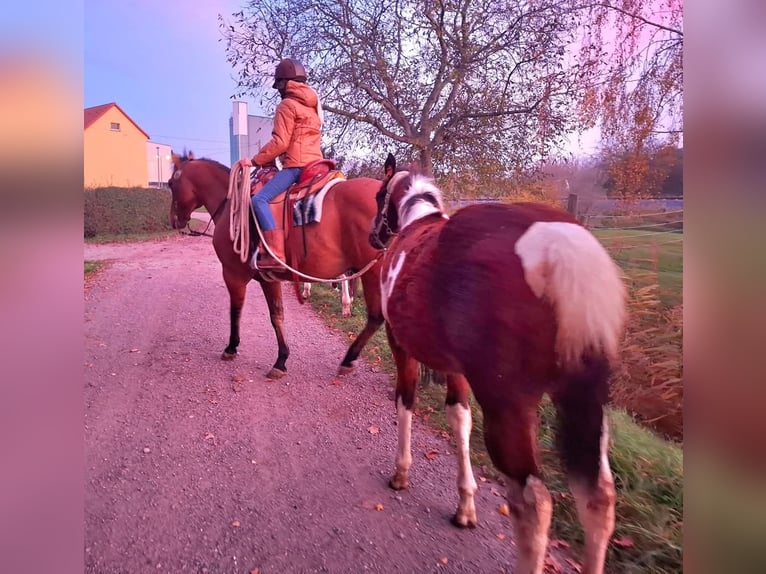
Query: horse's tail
{"points": [[298, 293], [564, 263]]}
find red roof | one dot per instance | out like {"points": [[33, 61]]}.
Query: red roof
{"points": [[92, 114]]}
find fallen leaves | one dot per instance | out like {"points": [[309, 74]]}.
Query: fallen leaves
{"points": [[500, 536], [373, 429], [336, 382], [235, 524], [379, 507], [444, 560], [503, 509], [209, 436], [624, 542], [431, 454]]}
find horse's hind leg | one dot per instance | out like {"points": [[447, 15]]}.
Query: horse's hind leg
{"points": [[583, 438], [272, 290], [510, 432], [460, 421], [345, 299], [236, 286], [406, 386], [371, 284]]}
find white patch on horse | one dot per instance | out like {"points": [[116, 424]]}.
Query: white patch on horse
{"points": [[460, 422], [590, 307], [419, 185], [387, 283], [404, 448]]}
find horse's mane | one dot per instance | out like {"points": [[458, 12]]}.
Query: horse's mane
{"points": [[189, 156], [217, 164]]}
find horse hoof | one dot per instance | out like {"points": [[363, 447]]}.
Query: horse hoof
{"points": [[275, 373], [463, 522], [345, 370], [398, 483], [226, 356]]}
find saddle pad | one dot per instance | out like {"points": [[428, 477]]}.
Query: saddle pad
{"points": [[309, 209]]}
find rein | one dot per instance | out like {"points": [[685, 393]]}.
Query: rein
{"points": [[239, 228], [211, 220]]}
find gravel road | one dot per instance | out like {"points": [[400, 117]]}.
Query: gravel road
{"points": [[194, 464]]}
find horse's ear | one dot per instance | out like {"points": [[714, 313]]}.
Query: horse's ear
{"points": [[390, 166], [176, 159]]}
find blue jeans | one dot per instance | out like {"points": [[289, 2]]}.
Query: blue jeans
{"points": [[279, 183]]}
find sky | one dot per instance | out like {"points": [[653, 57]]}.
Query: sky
{"points": [[163, 64]]}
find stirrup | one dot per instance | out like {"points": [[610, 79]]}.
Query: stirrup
{"points": [[254, 259]]}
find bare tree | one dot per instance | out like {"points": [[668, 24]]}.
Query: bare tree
{"points": [[481, 83]]}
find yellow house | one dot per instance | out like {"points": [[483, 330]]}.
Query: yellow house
{"points": [[114, 149]]}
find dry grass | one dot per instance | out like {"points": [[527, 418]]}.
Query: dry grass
{"points": [[650, 382]]}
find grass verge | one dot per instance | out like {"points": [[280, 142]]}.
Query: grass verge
{"points": [[648, 470]]}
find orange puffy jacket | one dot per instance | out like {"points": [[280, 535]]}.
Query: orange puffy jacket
{"points": [[296, 132]]}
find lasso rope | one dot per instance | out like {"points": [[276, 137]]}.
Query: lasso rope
{"points": [[239, 227]]}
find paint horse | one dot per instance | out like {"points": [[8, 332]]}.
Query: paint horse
{"points": [[329, 248], [510, 301], [347, 289]]}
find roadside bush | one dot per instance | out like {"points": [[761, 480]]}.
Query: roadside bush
{"points": [[123, 211]]}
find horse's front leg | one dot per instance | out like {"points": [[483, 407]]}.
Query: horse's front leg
{"points": [[460, 421], [237, 287], [371, 284], [272, 290], [406, 387]]}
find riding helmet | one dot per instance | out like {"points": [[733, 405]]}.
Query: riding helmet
{"points": [[289, 69]]}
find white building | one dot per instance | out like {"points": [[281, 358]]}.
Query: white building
{"points": [[247, 133]]}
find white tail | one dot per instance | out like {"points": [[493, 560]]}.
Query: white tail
{"points": [[564, 263]]}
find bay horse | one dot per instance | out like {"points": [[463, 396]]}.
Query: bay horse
{"points": [[510, 301], [331, 247]]}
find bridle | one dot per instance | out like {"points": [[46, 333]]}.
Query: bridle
{"points": [[383, 220], [216, 213]]}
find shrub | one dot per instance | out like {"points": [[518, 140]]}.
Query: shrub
{"points": [[123, 211]]}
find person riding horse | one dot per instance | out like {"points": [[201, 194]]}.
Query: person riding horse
{"points": [[295, 138]]}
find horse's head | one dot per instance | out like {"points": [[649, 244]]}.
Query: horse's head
{"points": [[184, 199], [400, 193]]}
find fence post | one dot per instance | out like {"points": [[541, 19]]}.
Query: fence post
{"points": [[572, 204]]}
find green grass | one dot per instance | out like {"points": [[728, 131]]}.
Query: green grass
{"points": [[648, 470], [642, 254], [93, 266]]}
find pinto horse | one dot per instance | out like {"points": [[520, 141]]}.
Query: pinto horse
{"points": [[510, 301], [329, 248]]}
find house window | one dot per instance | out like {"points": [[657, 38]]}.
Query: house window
{"points": [[115, 126]]}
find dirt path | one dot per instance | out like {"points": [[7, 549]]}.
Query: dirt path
{"points": [[198, 465]]}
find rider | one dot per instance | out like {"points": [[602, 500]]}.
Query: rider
{"points": [[295, 137]]}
